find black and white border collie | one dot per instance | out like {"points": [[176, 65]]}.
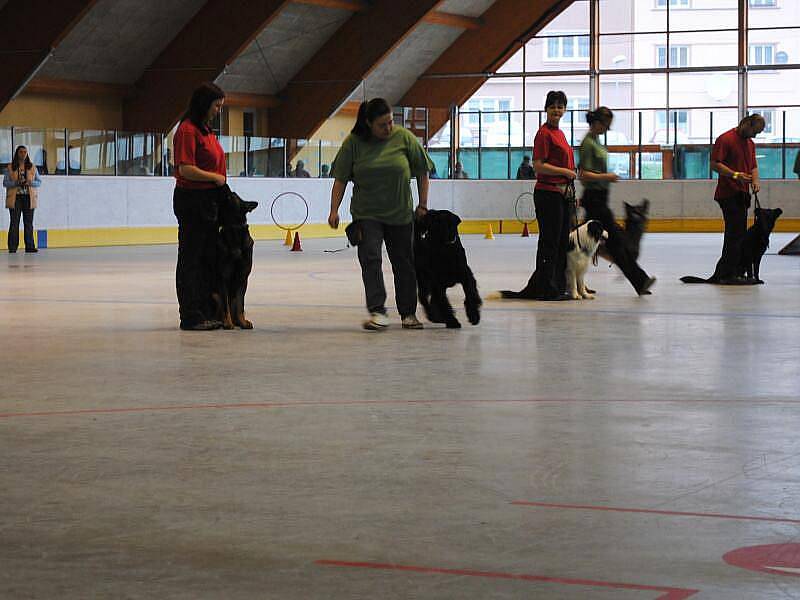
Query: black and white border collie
{"points": [[583, 243]]}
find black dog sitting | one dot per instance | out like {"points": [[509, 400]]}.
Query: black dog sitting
{"points": [[756, 241], [441, 263], [234, 259], [754, 244]]}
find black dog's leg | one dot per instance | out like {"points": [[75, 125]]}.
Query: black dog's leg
{"points": [[424, 293], [472, 299], [445, 309], [757, 268]]}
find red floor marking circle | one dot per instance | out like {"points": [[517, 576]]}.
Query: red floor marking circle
{"points": [[778, 559]]}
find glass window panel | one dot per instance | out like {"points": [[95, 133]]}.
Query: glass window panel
{"points": [[91, 152], [703, 89], [513, 64], [258, 157], [704, 14], [704, 49], [619, 16], [557, 53], [774, 46], [469, 133], [138, 154], [5, 145], [45, 147], [647, 90], [792, 158], [494, 164], [441, 139], [536, 89], [469, 162], [441, 161], [783, 12], [771, 87], [573, 18], [631, 51]]}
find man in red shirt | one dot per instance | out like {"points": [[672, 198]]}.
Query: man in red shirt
{"points": [[734, 158]]}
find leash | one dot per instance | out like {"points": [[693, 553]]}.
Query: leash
{"points": [[572, 202]]}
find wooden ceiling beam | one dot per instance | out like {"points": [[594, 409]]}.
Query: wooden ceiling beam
{"points": [[504, 24], [436, 17], [212, 39], [326, 81], [29, 32]]}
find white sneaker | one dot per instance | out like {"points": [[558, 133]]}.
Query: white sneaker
{"points": [[376, 321], [411, 322]]}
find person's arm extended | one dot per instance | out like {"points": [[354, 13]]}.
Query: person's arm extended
{"points": [[195, 173], [592, 176], [544, 168], [725, 171], [423, 184], [337, 195]]}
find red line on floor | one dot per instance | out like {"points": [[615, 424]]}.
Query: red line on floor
{"points": [[304, 403], [668, 593], [670, 513]]}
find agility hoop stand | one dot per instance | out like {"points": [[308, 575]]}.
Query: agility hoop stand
{"points": [[293, 241]]}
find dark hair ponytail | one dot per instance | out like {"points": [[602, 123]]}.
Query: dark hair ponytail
{"points": [[367, 113], [601, 113], [202, 99]]}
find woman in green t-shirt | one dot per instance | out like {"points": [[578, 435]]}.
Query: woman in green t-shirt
{"points": [[596, 180], [380, 159]]}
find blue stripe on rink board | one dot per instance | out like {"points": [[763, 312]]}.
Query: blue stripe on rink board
{"points": [[41, 238]]}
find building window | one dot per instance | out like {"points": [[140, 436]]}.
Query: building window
{"points": [[567, 47], [674, 3], [763, 3], [769, 121], [762, 54], [683, 120], [678, 56], [490, 109]]}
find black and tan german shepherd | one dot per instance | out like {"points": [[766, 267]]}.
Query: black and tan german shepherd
{"points": [[234, 259]]}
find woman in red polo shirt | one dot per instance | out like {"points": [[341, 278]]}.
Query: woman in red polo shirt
{"points": [[200, 175], [554, 164]]}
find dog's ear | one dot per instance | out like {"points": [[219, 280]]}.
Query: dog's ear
{"points": [[645, 205], [452, 218]]}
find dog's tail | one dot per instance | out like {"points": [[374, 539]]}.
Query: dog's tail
{"points": [[692, 279]]}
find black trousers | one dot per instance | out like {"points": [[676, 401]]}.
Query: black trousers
{"points": [[595, 203], [21, 207], [196, 211], [399, 246], [553, 214], [734, 212]]}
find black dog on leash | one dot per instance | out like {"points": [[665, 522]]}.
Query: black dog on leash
{"points": [[234, 259], [441, 263], [756, 241], [754, 245]]}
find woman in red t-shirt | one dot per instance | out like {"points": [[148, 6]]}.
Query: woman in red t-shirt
{"points": [[554, 164], [200, 175]]}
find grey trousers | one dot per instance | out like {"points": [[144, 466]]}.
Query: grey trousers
{"points": [[398, 240]]}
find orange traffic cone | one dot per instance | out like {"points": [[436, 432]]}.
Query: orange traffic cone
{"points": [[525, 232], [296, 245], [489, 233], [288, 240]]}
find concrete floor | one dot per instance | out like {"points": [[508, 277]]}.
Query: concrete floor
{"points": [[138, 461]]}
